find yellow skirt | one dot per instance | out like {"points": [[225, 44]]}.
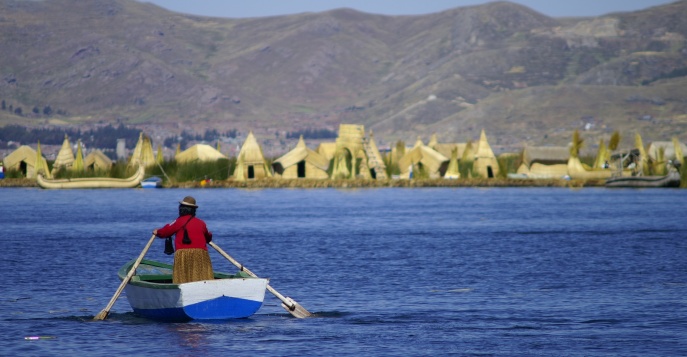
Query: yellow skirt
{"points": [[191, 265]]}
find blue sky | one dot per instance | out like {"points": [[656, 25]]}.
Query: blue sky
{"points": [[259, 8]]}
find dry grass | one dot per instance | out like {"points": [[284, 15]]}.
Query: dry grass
{"points": [[18, 182], [362, 183]]}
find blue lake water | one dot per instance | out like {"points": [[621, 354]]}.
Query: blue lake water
{"points": [[388, 272]]}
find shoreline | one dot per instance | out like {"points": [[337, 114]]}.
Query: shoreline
{"points": [[358, 183]]}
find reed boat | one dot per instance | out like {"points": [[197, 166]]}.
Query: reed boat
{"points": [[151, 294], [92, 182], [670, 180], [578, 172]]}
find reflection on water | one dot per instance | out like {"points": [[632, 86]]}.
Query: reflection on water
{"points": [[191, 335]]}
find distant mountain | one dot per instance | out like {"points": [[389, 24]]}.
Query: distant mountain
{"points": [[522, 76]]}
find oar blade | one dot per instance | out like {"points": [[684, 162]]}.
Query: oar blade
{"points": [[296, 309], [101, 316]]}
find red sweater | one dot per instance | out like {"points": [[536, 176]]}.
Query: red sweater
{"points": [[196, 228]]}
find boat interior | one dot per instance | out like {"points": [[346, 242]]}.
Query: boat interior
{"points": [[167, 278]]}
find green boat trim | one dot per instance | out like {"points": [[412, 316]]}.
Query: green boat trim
{"points": [[160, 276]]}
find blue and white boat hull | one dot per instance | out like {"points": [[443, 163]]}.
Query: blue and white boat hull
{"points": [[218, 299]]}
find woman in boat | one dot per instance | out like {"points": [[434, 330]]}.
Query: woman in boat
{"points": [[191, 259]]}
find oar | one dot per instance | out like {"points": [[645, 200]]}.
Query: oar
{"points": [[288, 304], [103, 314]]}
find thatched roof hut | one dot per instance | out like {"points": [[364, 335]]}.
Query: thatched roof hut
{"points": [[252, 160], [433, 141], [453, 170], [375, 162], [97, 161], [143, 152], [78, 158], [434, 162], [301, 162], [349, 148], [327, 150], [446, 149], [485, 163], [159, 155], [668, 150], [28, 161], [65, 157], [354, 154], [199, 153]]}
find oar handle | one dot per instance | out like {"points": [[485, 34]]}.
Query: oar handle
{"points": [[103, 314], [279, 296]]}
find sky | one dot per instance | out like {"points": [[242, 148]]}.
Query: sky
{"points": [[261, 8]]}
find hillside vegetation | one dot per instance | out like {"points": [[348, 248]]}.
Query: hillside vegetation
{"points": [[522, 76]]}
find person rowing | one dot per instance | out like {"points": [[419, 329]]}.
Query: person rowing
{"points": [[191, 257]]}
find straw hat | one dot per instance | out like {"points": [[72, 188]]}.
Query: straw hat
{"points": [[189, 201]]}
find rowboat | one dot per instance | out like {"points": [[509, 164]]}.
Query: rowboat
{"points": [[152, 182], [151, 294], [92, 182]]}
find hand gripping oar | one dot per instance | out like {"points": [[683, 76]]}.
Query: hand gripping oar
{"points": [[103, 314], [288, 304]]}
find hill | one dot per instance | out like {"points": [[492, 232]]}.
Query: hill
{"points": [[522, 76]]}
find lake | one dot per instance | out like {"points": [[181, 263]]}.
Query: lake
{"points": [[388, 272]]}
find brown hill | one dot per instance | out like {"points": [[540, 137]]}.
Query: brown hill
{"points": [[521, 75]]}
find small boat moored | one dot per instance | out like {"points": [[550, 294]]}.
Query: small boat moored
{"points": [[92, 182], [151, 294], [672, 179], [152, 182]]}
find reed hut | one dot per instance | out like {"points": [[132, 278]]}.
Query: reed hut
{"points": [[78, 158], [28, 161], [465, 155], [375, 162], [253, 163], [143, 152], [424, 158], [433, 141], [159, 155], [453, 170], [199, 153], [668, 147], [65, 157], [97, 161], [326, 150], [349, 147], [356, 155], [301, 162], [446, 149], [41, 163], [485, 163]]}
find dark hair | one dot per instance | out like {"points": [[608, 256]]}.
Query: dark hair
{"points": [[186, 210]]}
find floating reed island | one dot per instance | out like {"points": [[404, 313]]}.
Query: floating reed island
{"points": [[355, 161], [353, 183]]}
